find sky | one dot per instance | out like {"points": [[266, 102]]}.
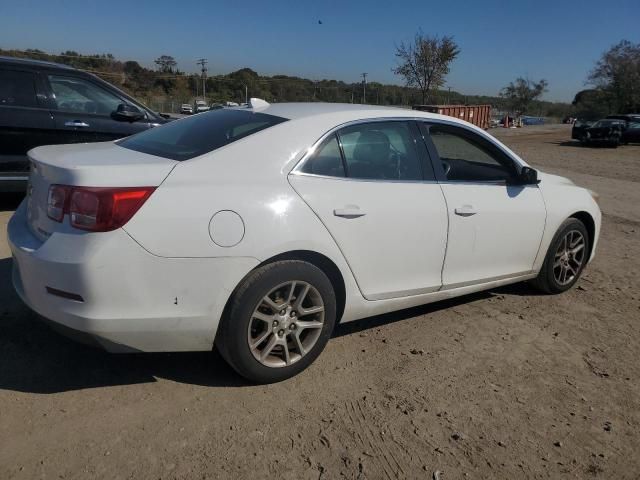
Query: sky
{"points": [[499, 40]]}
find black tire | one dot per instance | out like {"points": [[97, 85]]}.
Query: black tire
{"points": [[546, 280], [232, 340]]}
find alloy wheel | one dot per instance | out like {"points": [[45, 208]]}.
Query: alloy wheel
{"points": [[569, 257], [286, 324]]}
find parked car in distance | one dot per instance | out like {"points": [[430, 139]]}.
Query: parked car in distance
{"points": [[200, 106], [186, 109], [43, 103], [603, 132], [631, 128], [259, 229]]}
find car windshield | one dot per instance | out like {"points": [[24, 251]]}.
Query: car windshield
{"points": [[194, 136]]}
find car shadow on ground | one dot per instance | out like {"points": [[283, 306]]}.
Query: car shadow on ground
{"points": [[571, 143], [35, 359]]}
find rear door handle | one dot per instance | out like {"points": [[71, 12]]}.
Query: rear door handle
{"points": [[76, 123], [465, 211], [349, 211]]}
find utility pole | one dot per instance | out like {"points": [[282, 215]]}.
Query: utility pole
{"points": [[202, 62], [449, 97], [364, 86]]}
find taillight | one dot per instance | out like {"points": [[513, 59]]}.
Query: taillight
{"points": [[57, 201], [97, 209]]}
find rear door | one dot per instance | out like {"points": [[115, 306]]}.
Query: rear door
{"points": [[83, 110], [25, 122], [371, 186], [495, 226]]}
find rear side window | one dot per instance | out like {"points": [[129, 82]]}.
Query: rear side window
{"points": [[190, 137], [17, 89], [327, 160], [381, 151], [372, 151]]}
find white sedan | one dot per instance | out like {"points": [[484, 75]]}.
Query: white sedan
{"points": [[258, 229]]}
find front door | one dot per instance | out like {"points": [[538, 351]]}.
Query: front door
{"points": [[369, 186], [495, 226], [83, 111]]}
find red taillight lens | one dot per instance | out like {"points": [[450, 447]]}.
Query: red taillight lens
{"points": [[57, 201], [100, 209]]}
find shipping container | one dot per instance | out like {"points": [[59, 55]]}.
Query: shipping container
{"points": [[479, 115]]}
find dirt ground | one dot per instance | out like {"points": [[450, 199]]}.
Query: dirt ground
{"points": [[503, 384]]}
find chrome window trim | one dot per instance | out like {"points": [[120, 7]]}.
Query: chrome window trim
{"points": [[296, 170]]}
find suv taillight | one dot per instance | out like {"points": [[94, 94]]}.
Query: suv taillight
{"points": [[96, 209]]}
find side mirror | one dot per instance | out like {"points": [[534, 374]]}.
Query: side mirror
{"points": [[528, 176], [127, 113]]}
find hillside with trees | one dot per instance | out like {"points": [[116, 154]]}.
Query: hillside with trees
{"points": [[166, 87]]}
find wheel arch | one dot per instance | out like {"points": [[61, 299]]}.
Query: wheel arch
{"points": [[325, 264], [590, 225], [319, 260]]}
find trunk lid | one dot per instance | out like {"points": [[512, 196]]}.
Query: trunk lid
{"points": [[88, 165]]}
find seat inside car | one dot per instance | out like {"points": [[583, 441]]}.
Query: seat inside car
{"points": [[371, 156]]}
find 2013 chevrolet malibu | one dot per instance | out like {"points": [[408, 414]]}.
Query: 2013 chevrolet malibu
{"points": [[258, 229]]}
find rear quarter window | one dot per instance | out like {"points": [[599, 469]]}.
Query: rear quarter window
{"points": [[203, 133]]}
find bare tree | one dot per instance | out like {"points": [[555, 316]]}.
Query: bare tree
{"points": [[617, 76], [425, 62], [522, 92], [165, 63]]}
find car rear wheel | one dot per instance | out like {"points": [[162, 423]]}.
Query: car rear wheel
{"points": [[278, 322], [566, 258]]}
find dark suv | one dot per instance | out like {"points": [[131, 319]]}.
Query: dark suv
{"points": [[43, 103]]}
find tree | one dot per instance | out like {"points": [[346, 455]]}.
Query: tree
{"points": [[165, 63], [521, 93], [617, 76], [425, 62]]}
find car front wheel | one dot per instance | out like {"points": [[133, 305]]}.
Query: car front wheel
{"points": [[566, 258], [279, 321]]}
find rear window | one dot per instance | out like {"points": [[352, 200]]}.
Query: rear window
{"points": [[200, 134]]}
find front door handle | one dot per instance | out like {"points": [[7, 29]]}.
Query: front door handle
{"points": [[76, 123], [349, 211], [465, 211]]}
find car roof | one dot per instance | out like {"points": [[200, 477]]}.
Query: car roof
{"points": [[29, 62], [295, 111]]}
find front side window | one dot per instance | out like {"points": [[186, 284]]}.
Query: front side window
{"points": [[467, 157], [17, 89], [76, 95], [194, 136]]}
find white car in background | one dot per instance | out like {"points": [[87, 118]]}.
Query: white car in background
{"points": [[259, 229], [186, 109], [200, 106]]}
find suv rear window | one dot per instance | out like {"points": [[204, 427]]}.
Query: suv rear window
{"points": [[200, 134]]}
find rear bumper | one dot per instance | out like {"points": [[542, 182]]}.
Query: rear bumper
{"points": [[122, 296]]}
